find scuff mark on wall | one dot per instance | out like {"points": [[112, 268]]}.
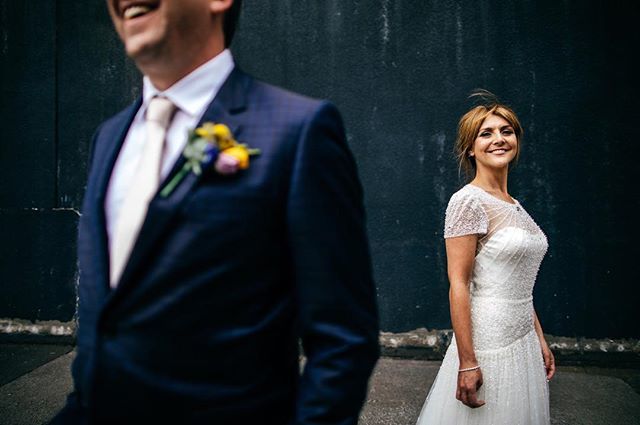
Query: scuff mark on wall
{"points": [[36, 209], [432, 344], [421, 155], [385, 21], [73, 210], [532, 110], [440, 178], [459, 38], [46, 327]]}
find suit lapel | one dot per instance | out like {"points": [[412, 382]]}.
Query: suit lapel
{"points": [[106, 150], [225, 108]]}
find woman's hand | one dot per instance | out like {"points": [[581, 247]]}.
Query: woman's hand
{"points": [[549, 360], [547, 355], [469, 383]]}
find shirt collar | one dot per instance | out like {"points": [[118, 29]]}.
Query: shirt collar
{"points": [[195, 91]]}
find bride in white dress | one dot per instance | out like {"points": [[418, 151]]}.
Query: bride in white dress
{"points": [[497, 368]]}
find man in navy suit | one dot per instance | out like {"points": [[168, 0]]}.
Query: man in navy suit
{"points": [[201, 321]]}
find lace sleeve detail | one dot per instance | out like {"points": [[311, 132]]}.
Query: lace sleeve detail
{"points": [[465, 216]]}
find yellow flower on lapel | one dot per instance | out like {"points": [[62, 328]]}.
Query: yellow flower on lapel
{"points": [[207, 131], [220, 134], [241, 153]]}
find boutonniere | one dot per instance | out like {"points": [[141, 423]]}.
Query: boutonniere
{"points": [[211, 144]]}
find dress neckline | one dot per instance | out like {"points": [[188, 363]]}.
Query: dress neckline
{"points": [[515, 201]]}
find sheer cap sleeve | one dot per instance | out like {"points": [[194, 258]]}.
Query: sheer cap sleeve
{"points": [[465, 215]]}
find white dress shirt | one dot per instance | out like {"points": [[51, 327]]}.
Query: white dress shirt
{"points": [[191, 95]]}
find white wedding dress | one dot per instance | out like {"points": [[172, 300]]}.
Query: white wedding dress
{"points": [[510, 249]]}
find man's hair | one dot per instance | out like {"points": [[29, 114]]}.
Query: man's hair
{"points": [[230, 21]]}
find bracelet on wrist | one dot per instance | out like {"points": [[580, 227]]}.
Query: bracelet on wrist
{"points": [[467, 369]]}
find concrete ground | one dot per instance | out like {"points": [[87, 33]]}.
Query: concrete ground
{"points": [[35, 379]]}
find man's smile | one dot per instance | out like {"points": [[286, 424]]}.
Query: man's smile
{"points": [[134, 9]]}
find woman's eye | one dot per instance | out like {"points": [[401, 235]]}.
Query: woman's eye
{"points": [[485, 134], [507, 132]]}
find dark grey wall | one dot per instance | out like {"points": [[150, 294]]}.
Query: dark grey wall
{"points": [[62, 72], [400, 71]]}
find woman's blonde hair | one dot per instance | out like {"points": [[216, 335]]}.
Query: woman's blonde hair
{"points": [[471, 122]]}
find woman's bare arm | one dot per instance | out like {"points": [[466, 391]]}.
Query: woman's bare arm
{"points": [[460, 258]]}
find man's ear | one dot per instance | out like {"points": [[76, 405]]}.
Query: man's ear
{"points": [[219, 6]]}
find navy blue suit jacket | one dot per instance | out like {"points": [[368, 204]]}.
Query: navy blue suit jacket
{"points": [[227, 275]]}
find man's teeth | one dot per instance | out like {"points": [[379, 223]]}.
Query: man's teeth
{"points": [[135, 11]]}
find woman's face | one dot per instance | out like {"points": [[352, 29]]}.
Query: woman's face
{"points": [[496, 144]]}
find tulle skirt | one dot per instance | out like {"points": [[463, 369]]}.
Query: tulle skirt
{"points": [[515, 388]]}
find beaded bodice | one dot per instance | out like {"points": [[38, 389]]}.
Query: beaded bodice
{"points": [[510, 249]]}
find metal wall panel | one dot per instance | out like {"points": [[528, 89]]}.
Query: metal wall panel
{"points": [[400, 71]]}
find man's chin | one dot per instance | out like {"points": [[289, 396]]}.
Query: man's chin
{"points": [[139, 49]]}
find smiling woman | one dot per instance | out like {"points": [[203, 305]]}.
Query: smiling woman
{"points": [[499, 356], [492, 126]]}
